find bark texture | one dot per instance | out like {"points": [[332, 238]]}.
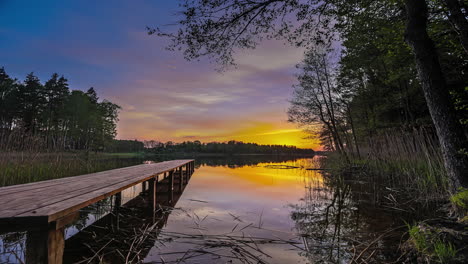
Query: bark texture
{"points": [[451, 135]]}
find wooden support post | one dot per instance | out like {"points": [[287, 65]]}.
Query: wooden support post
{"points": [[118, 200], [181, 180], [143, 186], [45, 245], [187, 168], [115, 218], [56, 245], [171, 186], [152, 192]]}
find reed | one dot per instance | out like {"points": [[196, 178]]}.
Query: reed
{"points": [[408, 162], [32, 166]]}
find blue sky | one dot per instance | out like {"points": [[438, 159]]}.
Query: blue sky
{"points": [[103, 44]]}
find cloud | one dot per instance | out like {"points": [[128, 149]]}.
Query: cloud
{"points": [[162, 95]]}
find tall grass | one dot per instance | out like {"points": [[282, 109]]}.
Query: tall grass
{"points": [[25, 167], [408, 162]]}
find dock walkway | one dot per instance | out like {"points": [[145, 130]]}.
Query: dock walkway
{"points": [[45, 208], [49, 201]]}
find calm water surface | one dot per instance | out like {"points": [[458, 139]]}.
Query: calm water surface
{"points": [[245, 211], [239, 201]]}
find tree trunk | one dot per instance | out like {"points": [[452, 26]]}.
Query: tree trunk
{"points": [[353, 131], [458, 20], [451, 136]]}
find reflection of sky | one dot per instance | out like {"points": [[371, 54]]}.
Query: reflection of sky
{"points": [[104, 44], [94, 212], [12, 247], [219, 198]]}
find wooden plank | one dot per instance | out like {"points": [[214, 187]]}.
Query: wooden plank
{"points": [[70, 196], [33, 185], [62, 222], [37, 202], [87, 184], [57, 193], [6, 192]]}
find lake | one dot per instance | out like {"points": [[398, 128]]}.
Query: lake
{"points": [[239, 210]]}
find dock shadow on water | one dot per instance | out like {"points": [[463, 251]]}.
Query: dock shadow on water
{"points": [[244, 211]]}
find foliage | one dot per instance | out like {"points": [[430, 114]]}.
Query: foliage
{"points": [[50, 116], [418, 238], [230, 147], [125, 146], [460, 199], [429, 244], [217, 28], [445, 252]]}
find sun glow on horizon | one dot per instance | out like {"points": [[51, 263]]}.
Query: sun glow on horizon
{"points": [[260, 133]]}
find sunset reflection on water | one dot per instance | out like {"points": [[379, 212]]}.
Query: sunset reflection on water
{"points": [[240, 201]]}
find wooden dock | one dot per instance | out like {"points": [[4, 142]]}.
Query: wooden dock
{"points": [[50, 205]]}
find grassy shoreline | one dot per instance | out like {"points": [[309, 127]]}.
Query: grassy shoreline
{"points": [[26, 167], [415, 187]]}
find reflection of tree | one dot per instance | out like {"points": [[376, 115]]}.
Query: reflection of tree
{"points": [[246, 160], [124, 236], [92, 212], [337, 228], [12, 246]]}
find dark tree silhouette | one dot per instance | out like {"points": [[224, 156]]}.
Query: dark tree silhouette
{"points": [[52, 116]]}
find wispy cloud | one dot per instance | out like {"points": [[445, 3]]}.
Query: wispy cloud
{"points": [[163, 97]]}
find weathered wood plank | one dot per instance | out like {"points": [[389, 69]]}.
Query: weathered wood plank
{"points": [[89, 185], [57, 193], [58, 198], [34, 185], [97, 181]]}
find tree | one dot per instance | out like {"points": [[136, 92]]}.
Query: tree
{"points": [[37, 116], [457, 13], [452, 138], [106, 128], [31, 100], [56, 92], [8, 100], [314, 99], [217, 28]]}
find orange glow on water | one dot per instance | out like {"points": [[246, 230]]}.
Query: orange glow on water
{"points": [[263, 179]]}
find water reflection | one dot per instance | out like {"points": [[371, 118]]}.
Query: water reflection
{"points": [[237, 202], [339, 226], [249, 210], [126, 234]]}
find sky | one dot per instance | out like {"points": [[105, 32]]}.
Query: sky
{"points": [[104, 44]]}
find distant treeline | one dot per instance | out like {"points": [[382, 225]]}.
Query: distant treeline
{"points": [[230, 147], [125, 146], [41, 116]]}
